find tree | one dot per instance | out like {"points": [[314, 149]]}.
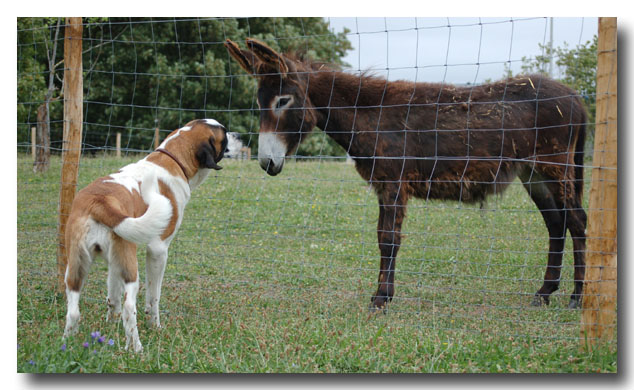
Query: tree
{"points": [[140, 73], [44, 31], [577, 68]]}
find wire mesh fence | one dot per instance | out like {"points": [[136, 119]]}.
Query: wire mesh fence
{"points": [[452, 120]]}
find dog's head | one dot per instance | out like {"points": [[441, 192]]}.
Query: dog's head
{"points": [[212, 142], [197, 148]]}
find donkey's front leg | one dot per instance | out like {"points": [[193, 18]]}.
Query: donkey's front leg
{"points": [[391, 215]]}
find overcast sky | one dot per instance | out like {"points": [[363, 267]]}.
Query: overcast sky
{"points": [[456, 50]]}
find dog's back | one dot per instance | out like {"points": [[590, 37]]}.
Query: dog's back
{"points": [[135, 214]]}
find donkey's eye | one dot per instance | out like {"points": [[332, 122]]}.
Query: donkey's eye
{"points": [[282, 102]]}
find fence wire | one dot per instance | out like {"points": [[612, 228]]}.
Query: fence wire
{"points": [[304, 243]]}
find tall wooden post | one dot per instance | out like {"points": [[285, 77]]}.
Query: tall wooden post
{"points": [[42, 140], [599, 302], [33, 142], [118, 145], [71, 148]]}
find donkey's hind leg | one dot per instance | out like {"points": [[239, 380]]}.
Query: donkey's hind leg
{"points": [[554, 219], [568, 202], [392, 204], [576, 223]]}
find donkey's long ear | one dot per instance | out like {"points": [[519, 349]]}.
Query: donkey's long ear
{"points": [[268, 55], [245, 58]]}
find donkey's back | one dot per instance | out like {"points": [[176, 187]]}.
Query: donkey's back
{"points": [[465, 143]]}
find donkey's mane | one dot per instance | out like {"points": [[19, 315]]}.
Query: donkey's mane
{"points": [[367, 88], [441, 92]]}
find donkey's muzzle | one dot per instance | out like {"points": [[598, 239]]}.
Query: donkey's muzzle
{"points": [[271, 152], [270, 167]]}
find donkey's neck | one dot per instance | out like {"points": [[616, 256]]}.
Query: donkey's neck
{"points": [[348, 105], [328, 94]]}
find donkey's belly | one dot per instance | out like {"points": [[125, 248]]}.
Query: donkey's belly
{"points": [[463, 191], [473, 182]]}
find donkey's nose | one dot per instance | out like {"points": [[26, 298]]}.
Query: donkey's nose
{"points": [[264, 163], [269, 166]]}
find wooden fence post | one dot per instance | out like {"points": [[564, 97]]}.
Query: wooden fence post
{"points": [[33, 141], [118, 145], [71, 147], [599, 301], [42, 140], [157, 138]]}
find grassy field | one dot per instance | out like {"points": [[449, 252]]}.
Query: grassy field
{"points": [[274, 274]]}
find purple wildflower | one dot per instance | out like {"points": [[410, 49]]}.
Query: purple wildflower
{"points": [[95, 335], [101, 339], [111, 342], [86, 345], [31, 362], [64, 347]]}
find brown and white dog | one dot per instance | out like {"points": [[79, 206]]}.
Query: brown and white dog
{"points": [[143, 203]]}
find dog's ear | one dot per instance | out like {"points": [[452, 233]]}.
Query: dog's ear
{"points": [[207, 155]]}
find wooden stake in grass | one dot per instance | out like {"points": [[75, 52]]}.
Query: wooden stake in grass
{"points": [[71, 147], [599, 302], [157, 138], [33, 141], [43, 141], [118, 145]]}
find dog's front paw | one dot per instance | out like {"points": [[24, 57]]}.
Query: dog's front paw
{"points": [[69, 331], [152, 316], [113, 315], [72, 324], [136, 346], [114, 311]]}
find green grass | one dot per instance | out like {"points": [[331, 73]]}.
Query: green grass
{"points": [[274, 274]]}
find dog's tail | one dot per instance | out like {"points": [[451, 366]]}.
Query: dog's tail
{"points": [[78, 257], [150, 225]]}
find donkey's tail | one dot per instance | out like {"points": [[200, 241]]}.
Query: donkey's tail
{"points": [[150, 225], [579, 155]]}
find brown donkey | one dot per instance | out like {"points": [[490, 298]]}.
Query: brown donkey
{"points": [[432, 141]]}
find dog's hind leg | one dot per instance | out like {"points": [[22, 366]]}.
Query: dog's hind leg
{"points": [[79, 261], [72, 314], [131, 289], [115, 291], [155, 269], [123, 254]]}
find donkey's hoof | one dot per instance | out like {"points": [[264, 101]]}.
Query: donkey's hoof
{"points": [[575, 303], [375, 309], [538, 299], [378, 304]]}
